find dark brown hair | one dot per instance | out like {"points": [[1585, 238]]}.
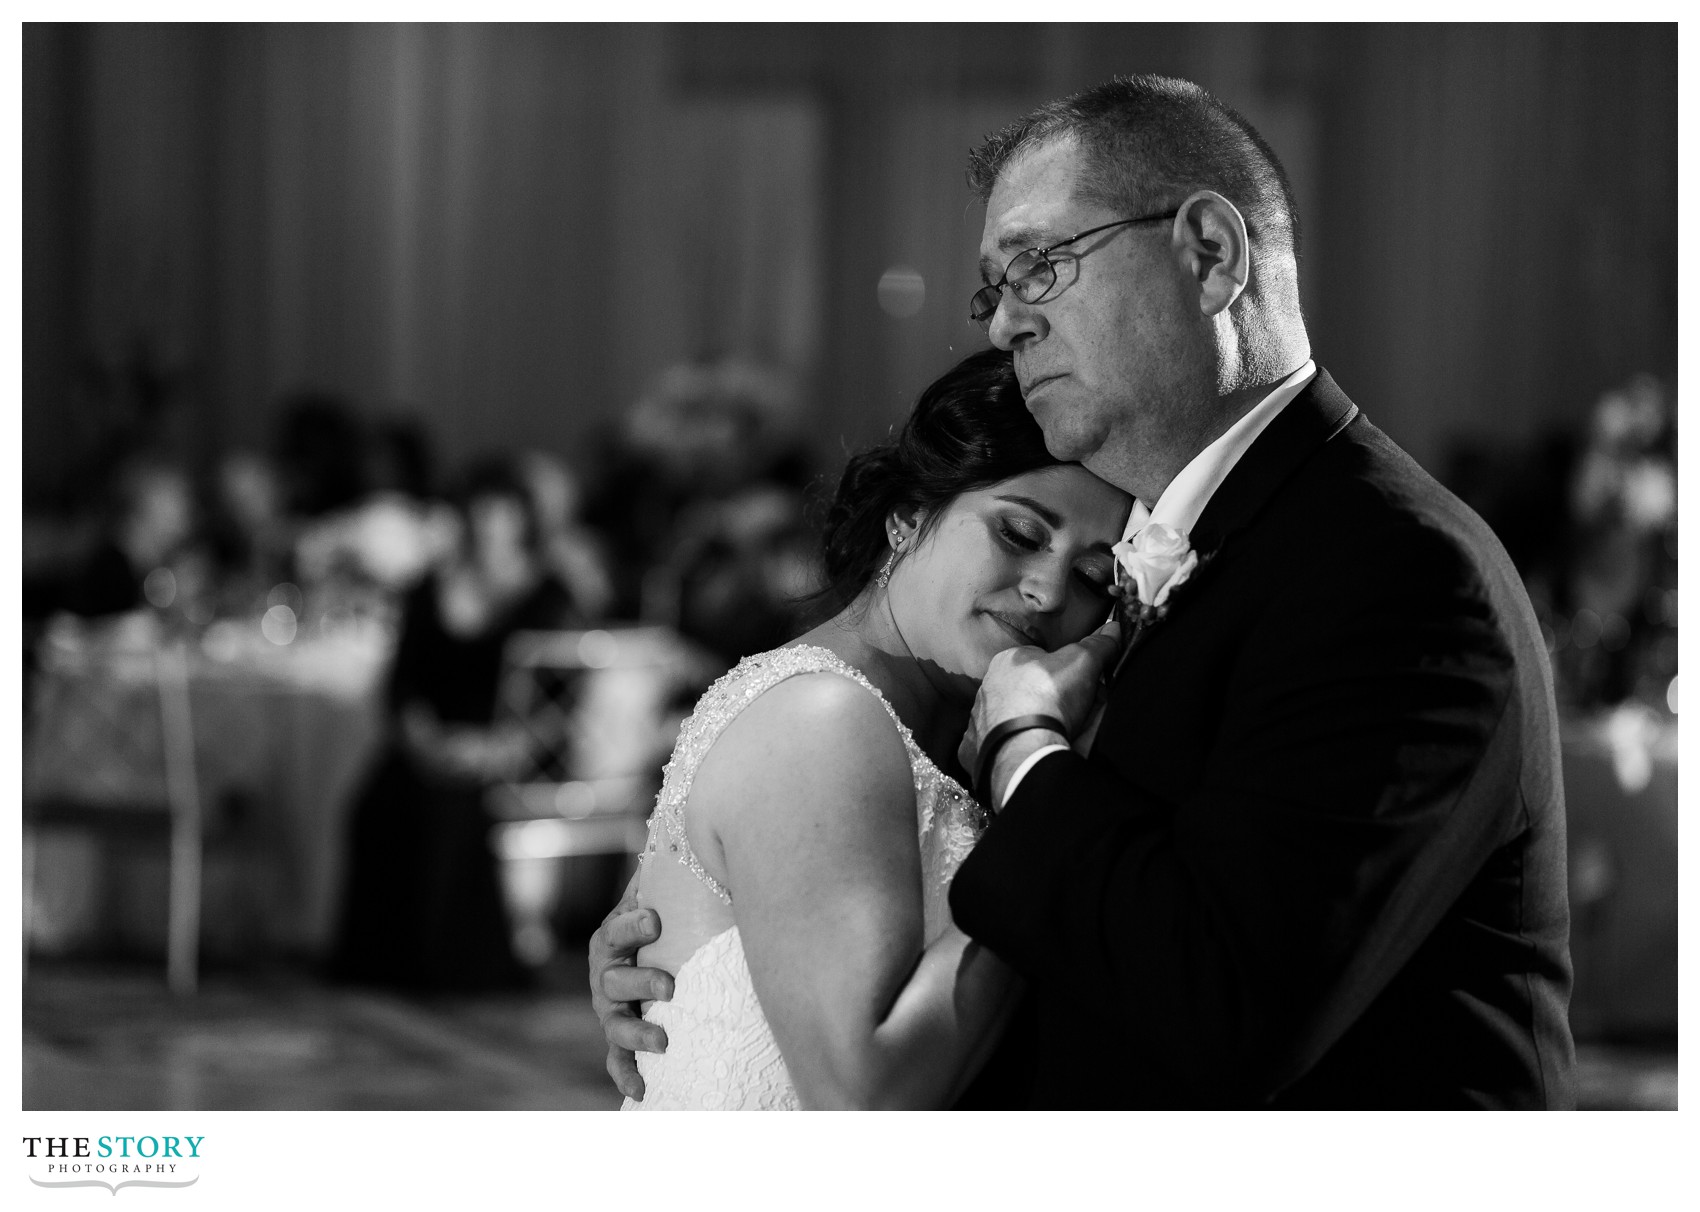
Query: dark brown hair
{"points": [[970, 429]]}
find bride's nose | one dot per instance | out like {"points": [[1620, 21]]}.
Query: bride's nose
{"points": [[1044, 585]]}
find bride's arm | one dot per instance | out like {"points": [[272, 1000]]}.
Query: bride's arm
{"points": [[806, 804]]}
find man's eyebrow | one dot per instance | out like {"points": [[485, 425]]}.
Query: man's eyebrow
{"points": [[1020, 239], [1017, 239]]}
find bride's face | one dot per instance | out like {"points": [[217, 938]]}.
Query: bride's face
{"points": [[1024, 561]]}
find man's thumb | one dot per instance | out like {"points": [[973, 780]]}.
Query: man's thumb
{"points": [[1104, 643]]}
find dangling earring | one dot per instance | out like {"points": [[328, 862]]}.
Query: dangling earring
{"points": [[884, 577]]}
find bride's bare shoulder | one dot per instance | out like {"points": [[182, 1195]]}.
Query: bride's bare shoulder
{"points": [[810, 730]]}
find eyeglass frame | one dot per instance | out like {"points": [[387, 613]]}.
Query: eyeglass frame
{"points": [[1044, 254]]}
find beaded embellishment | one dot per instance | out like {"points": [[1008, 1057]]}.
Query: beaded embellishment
{"points": [[737, 689]]}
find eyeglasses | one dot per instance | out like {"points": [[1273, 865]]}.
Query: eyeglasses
{"points": [[1031, 275]]}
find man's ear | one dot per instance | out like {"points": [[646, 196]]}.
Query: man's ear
{"points": [[1216, 249]]}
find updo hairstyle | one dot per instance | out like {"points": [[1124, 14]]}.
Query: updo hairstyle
{"points": [[970, 429]]}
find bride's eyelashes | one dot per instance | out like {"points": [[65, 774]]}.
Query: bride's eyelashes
{"points": [[1018, 535], [1097, 580]]}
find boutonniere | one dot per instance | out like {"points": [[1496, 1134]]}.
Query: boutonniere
{"points": [[1150, 566]]}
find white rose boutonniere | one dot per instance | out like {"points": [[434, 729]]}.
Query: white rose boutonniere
{"points": [[1150, 566]]}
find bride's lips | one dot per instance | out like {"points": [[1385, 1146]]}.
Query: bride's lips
{"points": [[1024, 633]]}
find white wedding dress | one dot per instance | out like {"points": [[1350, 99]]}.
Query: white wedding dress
{"points": [[721, 1054]]}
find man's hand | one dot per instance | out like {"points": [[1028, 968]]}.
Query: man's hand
{"points": [[617, 986], [1031, 681]]}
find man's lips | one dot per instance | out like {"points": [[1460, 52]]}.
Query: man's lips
{"points": [[1028, 389]]}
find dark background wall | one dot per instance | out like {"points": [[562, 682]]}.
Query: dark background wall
{"points": [[510, 230]]}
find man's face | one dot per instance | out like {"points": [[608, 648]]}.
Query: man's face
{"points": [[1116, 362]]}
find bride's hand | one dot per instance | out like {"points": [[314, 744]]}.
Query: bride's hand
{"points": [[617, 985]]}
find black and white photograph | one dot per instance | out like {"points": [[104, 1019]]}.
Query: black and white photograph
{"points": [[985, 564]]}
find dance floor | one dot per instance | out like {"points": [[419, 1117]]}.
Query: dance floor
{"points": [[110, 1037]]}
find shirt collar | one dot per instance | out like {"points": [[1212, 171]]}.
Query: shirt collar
{"points": [[1183, 501]]}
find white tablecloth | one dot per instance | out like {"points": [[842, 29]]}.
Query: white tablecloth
{"points": [[282, 734]]}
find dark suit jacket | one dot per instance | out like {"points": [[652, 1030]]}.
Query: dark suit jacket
{"points": [[1316, 856]]}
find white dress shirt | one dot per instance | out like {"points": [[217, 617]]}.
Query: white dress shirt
{"points": [[1183, 501]]}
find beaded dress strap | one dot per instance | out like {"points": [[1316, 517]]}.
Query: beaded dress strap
{"points": [[718, 707]]}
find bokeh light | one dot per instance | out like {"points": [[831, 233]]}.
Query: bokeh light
{"points": [[160, 588], [902, 291], [597, 649], [278, 625]]}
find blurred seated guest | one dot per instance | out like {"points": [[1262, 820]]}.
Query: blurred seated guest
{"points": [[321, 452], [738, 572], [386, 541], [252, 536], [571, 550], [148, 530], [423, 905], [399, 459], [703, 433], [363, 554], [1590, 518], [1615, 623]]}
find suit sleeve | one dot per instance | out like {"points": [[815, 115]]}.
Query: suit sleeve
{"points": [[1356, 785]]}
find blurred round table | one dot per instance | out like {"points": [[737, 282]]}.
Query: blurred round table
{"points": [[282, 733]]}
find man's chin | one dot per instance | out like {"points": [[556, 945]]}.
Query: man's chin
{"points": [[1062, 441], [1068, 447]]}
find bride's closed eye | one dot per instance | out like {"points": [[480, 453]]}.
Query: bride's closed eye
{"points": [[1098, 577], [1022, 535]]}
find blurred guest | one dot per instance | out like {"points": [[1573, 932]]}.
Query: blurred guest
{"points": [[1617, 598], [571, 550], [738, 572], [148, 530], [252, 536], [364, 553], [703, 506], [1590, 519], [385, 542], [321, 452], [399, 459], [423, 905]]}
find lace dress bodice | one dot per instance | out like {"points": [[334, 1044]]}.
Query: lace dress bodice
{"points": [[721, 1053]]}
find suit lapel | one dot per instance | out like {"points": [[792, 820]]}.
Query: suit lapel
{"points": [[1316, 414]]}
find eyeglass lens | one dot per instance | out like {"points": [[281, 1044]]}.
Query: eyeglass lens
{"points": [[1029, 276]]}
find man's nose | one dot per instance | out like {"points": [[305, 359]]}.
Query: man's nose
{"points": [[1015, 323]]}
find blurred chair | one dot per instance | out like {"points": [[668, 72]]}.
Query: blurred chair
{"points": [[599, 710], [146, 785]]}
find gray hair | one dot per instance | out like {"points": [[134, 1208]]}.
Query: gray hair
{"points": [[1148, 142]]}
